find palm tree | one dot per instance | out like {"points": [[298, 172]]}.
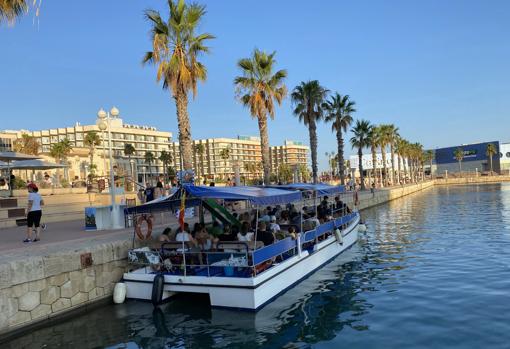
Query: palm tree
{"points": [[92, 140], [129, 151], [459, 156], [373, 137], [225, 155], [166, 158], [60, 151], [491, 150], [429, 155], [308, 99], [384, 141], [200, 150], [257, 89], [339, 109], [149, 159], [392, 136], [12, 9], [26, 144], [361, 140], [175, 50], [399, 150]]}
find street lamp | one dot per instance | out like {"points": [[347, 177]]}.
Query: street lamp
{"points": [[104, 123]]}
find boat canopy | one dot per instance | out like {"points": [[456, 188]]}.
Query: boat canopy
{"points": [[255, 195], [321, 188]]}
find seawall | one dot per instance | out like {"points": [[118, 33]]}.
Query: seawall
{"points": [[49, 281]]}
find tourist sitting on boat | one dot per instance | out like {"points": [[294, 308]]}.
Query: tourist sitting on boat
{"points": [[273, 226], [284, 217], [205, 240], [166, 235], [264, 235], [311, 223], [292, 232], [264, 215], [185, 236], [341, 207], [216, 229], [295, 219], [229, 233], [245, 234]]}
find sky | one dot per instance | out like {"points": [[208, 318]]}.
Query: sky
{"points": [[439, 70]]}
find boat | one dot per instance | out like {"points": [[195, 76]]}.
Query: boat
{"points": [[238, 275]]}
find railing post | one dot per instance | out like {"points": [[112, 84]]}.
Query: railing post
{"points": [[299, 244]]}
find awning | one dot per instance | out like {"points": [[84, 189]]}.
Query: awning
{"points": [[12, 156], [255, 195], [321, 188], [30, 165]]}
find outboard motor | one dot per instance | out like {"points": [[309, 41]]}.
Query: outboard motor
{"points": [[157, 289]]}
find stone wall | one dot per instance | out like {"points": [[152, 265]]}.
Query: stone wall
{"points": [[472, 180], [36, 288], [55, 280]]}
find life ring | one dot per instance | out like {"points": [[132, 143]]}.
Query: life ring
{"points": [[138, 227]]}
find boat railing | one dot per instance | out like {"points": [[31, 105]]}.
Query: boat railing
{"points": [[239, 258]]}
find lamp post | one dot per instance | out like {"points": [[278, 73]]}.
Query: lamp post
{"points": [[104, 123]]}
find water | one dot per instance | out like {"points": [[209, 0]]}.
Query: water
{"points": [[431, 272]]}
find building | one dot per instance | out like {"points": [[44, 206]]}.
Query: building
{"points": [[7, 141], [475, 158], [504, 157], [222, 157], [143, 139], [368, 165]]}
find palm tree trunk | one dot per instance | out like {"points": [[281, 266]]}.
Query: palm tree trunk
{"points": [[264, 144], [312, 128], [431, 168], [374, 162], [341, 165], [460, 167], [185, 145], [398, 168], [202, 165], [383, 154], [490, 158], [392, 152], [360, 168]]}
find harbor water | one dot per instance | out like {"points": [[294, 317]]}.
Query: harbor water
{"points": [[432, 271]]}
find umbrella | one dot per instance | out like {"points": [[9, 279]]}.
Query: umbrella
{"points": [[31, 165], [9, 156]]}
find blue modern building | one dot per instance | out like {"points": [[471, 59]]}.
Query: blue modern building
{"points": [[475, 158]]}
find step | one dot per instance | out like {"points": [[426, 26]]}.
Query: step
{"points": [[8, 203]]}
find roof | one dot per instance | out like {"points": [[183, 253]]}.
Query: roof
{"points": [[30, 165], [11, 156], [321, 188], [255, 195]]}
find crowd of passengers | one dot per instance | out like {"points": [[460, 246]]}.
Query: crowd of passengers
{"points": [[270, 224]]}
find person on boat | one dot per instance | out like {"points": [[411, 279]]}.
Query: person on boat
{"points": [[273, 226], [295, 219], [159, 191], [264, 216], [216, 229], [284, 217], [165, 235], [185, 236], [245, 234], [205, 240], [229, 233], [292, 232], [264, 235], [311, 223]]}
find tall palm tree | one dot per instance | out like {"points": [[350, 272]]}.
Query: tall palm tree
{"points": [[373, 137], [360, 140], [459, 156], [399, 150], [166, 158], [392, 136], [149, 159], [308, 99], [258, 88], [60, 151], [176, 47], [491, 150], [339, 111], [430, 157], [200, 150], [92, 140], [384, 141]]}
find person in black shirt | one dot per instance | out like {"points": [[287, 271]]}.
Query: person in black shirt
{"points": [[267, 237], [229, 233]]}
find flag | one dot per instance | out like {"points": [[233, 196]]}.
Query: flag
{"points": [[182, 210]]}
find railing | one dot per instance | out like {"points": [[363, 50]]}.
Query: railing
{"points": [[239, 259]]}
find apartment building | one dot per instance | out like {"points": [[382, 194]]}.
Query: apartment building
{"points": [[6, 141], [221, 157], [143, 139]]}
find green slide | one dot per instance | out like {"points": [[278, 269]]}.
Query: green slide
{"points": [[220, 212]]}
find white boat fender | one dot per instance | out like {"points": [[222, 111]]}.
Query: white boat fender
{"points": [[157, 289], [362, 228], [339, 237], [119, 293]]}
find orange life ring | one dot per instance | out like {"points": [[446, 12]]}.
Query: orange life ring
{"points": [[138, 227]]}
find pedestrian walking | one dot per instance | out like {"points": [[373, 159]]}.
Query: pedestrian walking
{"points": [[34, 212]]}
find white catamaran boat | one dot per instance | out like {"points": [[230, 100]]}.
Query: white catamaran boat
{"points": [[240, 275]]}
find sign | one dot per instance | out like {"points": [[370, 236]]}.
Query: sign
{"points": [[90, 218], [186, 176]]}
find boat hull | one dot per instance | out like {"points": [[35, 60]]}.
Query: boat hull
{"points": [[247, 293]]}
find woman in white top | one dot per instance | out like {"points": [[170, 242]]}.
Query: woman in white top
{"points": [[34, 212], [245, 234]]}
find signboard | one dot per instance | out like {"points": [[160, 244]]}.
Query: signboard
{"points": [[186, 176], [90, 218], [472, 152]]}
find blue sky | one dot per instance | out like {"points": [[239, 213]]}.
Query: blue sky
{"points": [[439, 70]]}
